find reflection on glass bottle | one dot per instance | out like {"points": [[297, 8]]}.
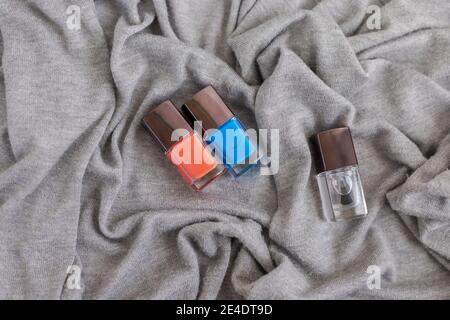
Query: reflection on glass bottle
{"points": [[339, 181]]}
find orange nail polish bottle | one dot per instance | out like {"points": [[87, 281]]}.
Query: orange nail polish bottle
{"points": [[183, 147]]}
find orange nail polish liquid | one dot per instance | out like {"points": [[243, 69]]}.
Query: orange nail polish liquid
{"points": [[188, 153], [194, 162]]}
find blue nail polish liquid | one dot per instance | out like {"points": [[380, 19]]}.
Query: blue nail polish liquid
{"points": [[232, 144]]}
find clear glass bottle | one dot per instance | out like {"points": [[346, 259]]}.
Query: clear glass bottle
{"points": [[341, 194], [340, 187]]}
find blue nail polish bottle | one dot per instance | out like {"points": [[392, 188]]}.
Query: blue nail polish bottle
{"points": [[235, 154], [223, 131]]}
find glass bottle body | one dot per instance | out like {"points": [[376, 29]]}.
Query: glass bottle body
{"points": [[194, 161], [233, 146], [341, 194]]}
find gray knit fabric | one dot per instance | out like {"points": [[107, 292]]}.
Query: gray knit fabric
{"points": [[82, 184]]}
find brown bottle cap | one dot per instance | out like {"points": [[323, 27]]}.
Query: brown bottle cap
{"points": [[162, 121], [208, 107], [335, 149]]}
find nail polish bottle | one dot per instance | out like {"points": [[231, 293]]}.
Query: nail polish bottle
{"points": [[182, 146], [223, 131], [339, 181]]}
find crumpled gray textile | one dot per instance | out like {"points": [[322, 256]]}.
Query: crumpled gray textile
{"points": [[83, 184]]}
